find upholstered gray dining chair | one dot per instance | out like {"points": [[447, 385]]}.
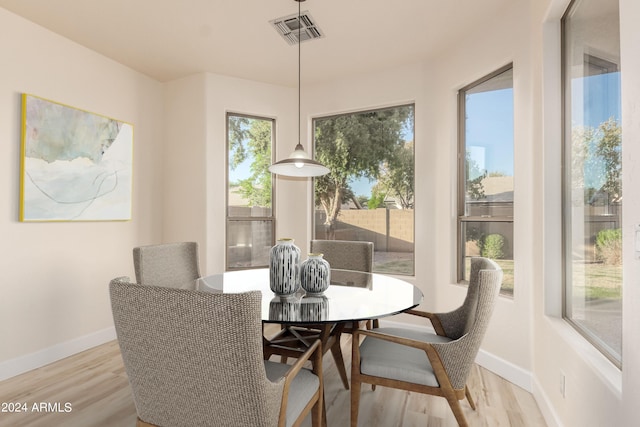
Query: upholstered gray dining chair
{"points": [[345, 254], [195, 358], [436, 364], [168, 264]]}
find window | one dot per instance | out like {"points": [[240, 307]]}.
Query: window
{"points": [[369, 193], [485, 174], [250, 221], [592, 193]]}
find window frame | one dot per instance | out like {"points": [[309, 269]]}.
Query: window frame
{"points": [[462, 217], [567, 219], [229, 219], [411, 104]]}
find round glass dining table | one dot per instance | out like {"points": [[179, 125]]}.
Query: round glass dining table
{"points": [[351, 296]]}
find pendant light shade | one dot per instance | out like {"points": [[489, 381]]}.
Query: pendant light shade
{"points": [[299, 163]]}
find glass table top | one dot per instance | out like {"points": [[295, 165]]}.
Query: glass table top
{"points": [[352, 296]]}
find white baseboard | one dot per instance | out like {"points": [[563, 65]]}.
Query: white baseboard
{"points": [[548, 413], [505, 369], [22, 364]]}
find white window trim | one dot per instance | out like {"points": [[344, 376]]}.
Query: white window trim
{"points": [[552, 267]]}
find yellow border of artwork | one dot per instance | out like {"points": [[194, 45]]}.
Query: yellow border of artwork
{"points": [[23, 151]]}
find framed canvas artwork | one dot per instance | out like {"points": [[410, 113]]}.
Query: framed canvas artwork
{"points": [[76, 165]]}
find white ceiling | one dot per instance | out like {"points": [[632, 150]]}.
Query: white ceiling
{"points": [[169, 39]]}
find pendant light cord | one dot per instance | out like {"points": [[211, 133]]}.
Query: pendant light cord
{"points": [[299, 66], [299, 163]]}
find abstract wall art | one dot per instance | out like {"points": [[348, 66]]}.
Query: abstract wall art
{"points": [[76, 165]]}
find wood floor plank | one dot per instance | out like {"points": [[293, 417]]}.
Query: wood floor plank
{"points": [[95, 384]]}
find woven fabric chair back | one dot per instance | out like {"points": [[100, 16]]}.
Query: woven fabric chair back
{"points": [[345, 255], [194, 358], [170, 264], [484, 286]]}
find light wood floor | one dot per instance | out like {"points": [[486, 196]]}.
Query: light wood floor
{"points": [[95, 384]]}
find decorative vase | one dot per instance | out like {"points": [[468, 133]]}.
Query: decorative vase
{"points": [[284, 267], [315, 274], [286, 308], [314, 308]]}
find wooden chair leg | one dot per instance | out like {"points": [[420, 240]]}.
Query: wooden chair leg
{"points": [[457, 411], [355, 402], [318, 413], [467, 393]]}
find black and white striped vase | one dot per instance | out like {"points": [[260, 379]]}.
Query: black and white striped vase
{"points": [[315, 274], [314, 308], [284, 267], [285, 308]]}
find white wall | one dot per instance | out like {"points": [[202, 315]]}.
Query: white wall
{"points": [[194, 169], [509, 334], [53, 296], [184, 163], [228, 94]]}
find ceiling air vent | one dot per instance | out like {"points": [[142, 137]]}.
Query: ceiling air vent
{"points": [[288, 26]]}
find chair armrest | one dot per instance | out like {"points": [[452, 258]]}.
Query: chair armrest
{"points": [[419, 313], [316, 347], [433, 317], [314, 350], [410, 342], [393, 338]]}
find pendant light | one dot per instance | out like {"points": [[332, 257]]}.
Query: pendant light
{"points": [[299, 163]]}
